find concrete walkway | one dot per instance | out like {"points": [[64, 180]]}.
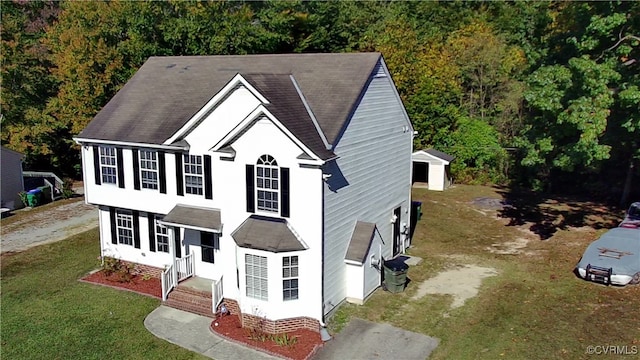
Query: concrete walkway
{"points": [[360, 339], [192, 332], [365, 340]]}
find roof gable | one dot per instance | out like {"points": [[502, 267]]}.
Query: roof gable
{"points": [[435, 154], [167, 92]]}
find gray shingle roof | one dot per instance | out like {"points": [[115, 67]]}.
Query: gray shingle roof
{"points": [[195, 217], [360, 241], [167, 91], [287, 106], [440, 154], [265, 233]]}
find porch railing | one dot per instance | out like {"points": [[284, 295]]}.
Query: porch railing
{"points": [[185, 267], [217, 295], [168, 282]]}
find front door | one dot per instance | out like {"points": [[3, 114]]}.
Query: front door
{"points": [[396, 232]]}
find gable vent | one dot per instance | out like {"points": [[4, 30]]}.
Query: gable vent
{"points": [[379, 71]]}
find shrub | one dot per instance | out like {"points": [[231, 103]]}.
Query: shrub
{"points": [[284, 339]]}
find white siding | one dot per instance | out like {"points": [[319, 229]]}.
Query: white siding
{"points": [[375, 161], [228, 182]]}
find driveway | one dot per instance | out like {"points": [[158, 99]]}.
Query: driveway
{"points": [[362, 339], [51, 225]]}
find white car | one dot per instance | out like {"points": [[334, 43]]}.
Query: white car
{"points": [[612, 259]]}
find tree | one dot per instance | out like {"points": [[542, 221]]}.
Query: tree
{"points": [[583, 102], [26, 82]]}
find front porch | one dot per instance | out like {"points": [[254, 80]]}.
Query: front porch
{"points": [[194, 295], [182, 290]]}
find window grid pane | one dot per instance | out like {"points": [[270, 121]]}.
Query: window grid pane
{"points": [[149, 169], [193, 174], [162, 238], [108, 167], [256, 276], [289, 278], [124, 227], [267, 183]]}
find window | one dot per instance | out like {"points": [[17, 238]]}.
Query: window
{"points": [[124, 227], [289, 277], [256, 276], [162, 237], [207, 246], [149, 169], [108, 167], [193, 174], [267, 183]]}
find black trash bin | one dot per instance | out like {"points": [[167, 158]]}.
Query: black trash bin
{"points": [[395, 275]]}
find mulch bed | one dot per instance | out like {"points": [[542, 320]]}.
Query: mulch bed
{"points": [[308, 342], [228, 327], [144, 286]]}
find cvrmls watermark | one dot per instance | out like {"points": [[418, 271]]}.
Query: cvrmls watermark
{"points": [[612, 350]]}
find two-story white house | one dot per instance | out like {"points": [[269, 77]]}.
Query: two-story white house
{"points": [[281, 180]]}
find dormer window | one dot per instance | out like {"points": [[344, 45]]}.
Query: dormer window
{"points": [[267, 183]]}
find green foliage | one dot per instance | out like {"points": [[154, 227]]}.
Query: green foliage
{"points": [[557, 80], [479, 156], [284, 339], [125, 271]]}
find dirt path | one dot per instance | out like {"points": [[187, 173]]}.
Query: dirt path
{"points": [[462, 283], [51, 225]]}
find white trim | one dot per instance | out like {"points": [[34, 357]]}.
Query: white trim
{"points": [[191, 227], [311, 115], [260, 110], [86, 141], [353, 262], [422, 152], [237, 79]]}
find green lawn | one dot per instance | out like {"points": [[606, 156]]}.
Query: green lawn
{"points": [[535, 308], [48, 314]]}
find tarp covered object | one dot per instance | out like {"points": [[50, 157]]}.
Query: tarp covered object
{"points": [[618, 248]]}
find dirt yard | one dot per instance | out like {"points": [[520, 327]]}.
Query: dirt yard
{"points": [[45, 224]]}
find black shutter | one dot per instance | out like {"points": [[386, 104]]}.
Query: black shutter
{"points": [[179, 179], [250, 190], [112, 217], [136, 229], [162, 173], [176, 238], [136, 170], [208, 188], [120, 168], [284, 192], [207, 246], [96, 165], [152, 231]]}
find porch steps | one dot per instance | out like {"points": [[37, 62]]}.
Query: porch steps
{"points": [[190, 299]]}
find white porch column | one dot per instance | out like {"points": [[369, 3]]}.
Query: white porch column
{"points": [[172, 251]]}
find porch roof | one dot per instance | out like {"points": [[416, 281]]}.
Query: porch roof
{"points": [[196, 218], [360, 241], [265, 233]]}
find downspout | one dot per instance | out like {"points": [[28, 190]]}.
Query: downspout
{"points": [[322, 321]]}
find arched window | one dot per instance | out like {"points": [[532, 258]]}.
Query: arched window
{"points": [[267, 183]]}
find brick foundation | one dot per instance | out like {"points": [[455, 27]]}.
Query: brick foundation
{"points": [[145, 269], [271, 326]]}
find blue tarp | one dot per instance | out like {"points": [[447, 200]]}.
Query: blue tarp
{"points": [[618, 248]]}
